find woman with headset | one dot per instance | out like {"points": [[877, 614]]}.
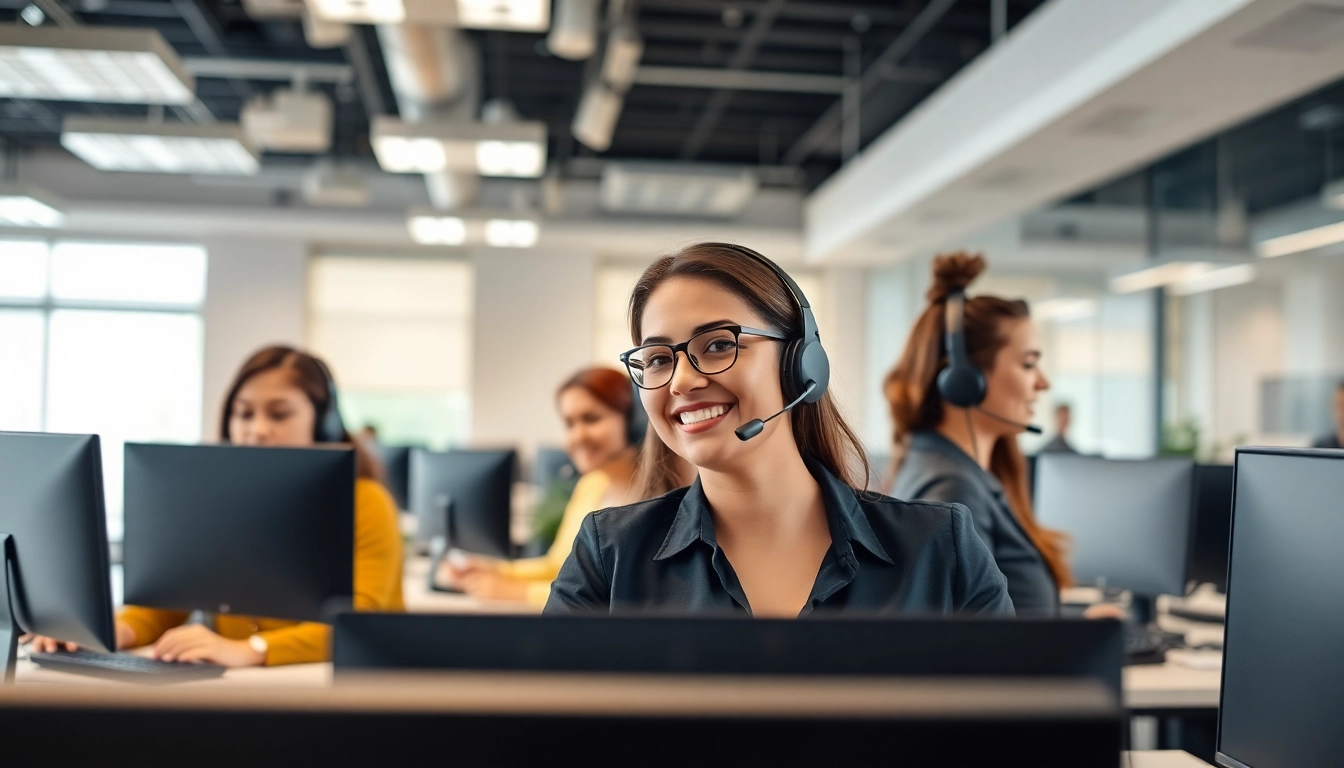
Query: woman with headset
{"points": [[777, 523], [603, 428], [282, 397], [963, 390]]}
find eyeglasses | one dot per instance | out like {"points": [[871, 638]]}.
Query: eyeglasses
{"points": [[713, 351]]}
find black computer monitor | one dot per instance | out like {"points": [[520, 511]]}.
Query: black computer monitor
{"points": [[1210, 538], [396, 460], [1282, 695], [228, 529], [1128, 520], [552, 465], [472, 490], [54, 574], [710, 646]]}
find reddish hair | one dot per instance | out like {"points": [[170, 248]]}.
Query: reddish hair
{"points": [[819, 429], [916, 405], [608, 385], [310, 375]]}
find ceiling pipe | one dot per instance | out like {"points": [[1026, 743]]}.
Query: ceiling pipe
{"points": [[435, 74]]}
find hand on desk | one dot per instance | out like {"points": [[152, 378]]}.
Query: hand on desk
{"points": [[194, 642], [1105, 611], [43, 644], [480, 578]]}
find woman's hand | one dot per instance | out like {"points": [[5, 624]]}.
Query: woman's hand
{"points": [[1105, 611], [488, 584], [193, 642], [454, 570], [43, 644]]}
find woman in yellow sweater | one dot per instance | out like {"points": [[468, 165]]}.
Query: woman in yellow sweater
{"points": [[598, 408], [281, 397]]}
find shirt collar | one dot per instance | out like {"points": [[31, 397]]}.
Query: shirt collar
{"points": [[844, 513], [935, 442]]}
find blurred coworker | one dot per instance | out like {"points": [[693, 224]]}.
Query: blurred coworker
{"points": [[602, 434], [970, 455], [1060, 442], [776, 523], [279, 398], [1337, 439]]}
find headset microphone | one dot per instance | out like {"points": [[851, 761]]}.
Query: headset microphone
{"points": [[753, 428], [1032, 428]]}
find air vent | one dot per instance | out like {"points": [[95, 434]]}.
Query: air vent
{"points": [[680, 189], [1305, 29]]}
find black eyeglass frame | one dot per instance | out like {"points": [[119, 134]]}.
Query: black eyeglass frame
{"points": [[684, 348]]}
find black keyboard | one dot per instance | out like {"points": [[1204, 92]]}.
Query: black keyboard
{"points": [[1148, 645], [125, 666]]}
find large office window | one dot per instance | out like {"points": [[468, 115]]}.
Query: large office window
{"points": [[397, 334], [105, 339]]}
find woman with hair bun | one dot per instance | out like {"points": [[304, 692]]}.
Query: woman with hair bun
{"points": [[970, 455]]}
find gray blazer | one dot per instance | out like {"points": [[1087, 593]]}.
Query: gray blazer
{"points": [[935, 469]]}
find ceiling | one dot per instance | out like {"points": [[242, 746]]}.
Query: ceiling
{"points": [[658, 122]]}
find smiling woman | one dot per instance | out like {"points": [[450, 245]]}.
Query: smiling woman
{"points": [[777, 523]]}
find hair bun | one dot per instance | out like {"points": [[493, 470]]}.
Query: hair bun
{"points": [[953, 272]]}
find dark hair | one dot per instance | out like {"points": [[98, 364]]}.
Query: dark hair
{"points": [[309, 374], [608, 385], [916, 405], [820, 430]]}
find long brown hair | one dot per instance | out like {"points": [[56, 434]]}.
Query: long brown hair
{"points": [[819, 429], [912, 390], [310, 375]]}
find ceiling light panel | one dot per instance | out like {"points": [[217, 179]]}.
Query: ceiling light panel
{"points": [[511, 233], [516, 15], [359, 11], [495, 228], [129, 145], [1306, 240], [489, 149], [23, 205], [428, 229], [124, 66]]}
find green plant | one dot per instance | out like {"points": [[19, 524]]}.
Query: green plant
{"points": [[1180, 438]]}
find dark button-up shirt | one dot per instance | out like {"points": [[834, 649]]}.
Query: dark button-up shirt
{"points": [[935, 468], [886, 557]]}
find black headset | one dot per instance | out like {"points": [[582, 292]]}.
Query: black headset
{"points": [[960, 383], [328, 427], [636, 419], [804, 362]]}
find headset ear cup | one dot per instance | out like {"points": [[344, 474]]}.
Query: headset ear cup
{"points": [[788, 371], [961, 386]]}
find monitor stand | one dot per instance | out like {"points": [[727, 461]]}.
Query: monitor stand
{"points": [[1142, 610], [9, 614], [440, 546]]}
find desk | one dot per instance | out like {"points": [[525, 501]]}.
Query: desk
{"points": [[1165, 758], [421, 599], [1161, 687], [288, 676]]}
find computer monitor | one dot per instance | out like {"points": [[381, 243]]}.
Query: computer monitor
{"points": [[1210, 538], [1283, 679], [552, 465], [54, 573], [396, 460], [229, 529], [712, 646], [1128, 520], [468, 491]]}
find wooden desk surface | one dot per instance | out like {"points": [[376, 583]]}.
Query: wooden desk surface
{"points": [[1164, 758], [1170, 686]]}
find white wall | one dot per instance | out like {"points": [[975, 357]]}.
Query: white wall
{"points": [[255, 295]]}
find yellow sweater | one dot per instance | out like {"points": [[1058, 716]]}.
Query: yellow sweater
{"points": [[378, 568], [539, 572]]}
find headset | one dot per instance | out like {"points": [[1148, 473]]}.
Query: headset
{"points": [[961, 383], [636, 419], [805, 370], [328, 427]]}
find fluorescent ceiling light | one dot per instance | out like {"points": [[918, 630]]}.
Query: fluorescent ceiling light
{"points": [[131, 145], [517, 15], [97, 64], [489, 149], [23, 205], [359, 11], [1307, 240], [495, 228], [1237, 274], [1063, 309], [1160, 275], [1332, 196], [511, 233], [438, 230]]}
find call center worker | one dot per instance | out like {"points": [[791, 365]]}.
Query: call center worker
{"points": [[776, 524], [282, 397], [604, 425], [963, 390]]}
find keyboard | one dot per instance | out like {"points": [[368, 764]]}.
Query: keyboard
{"points": [[1147, 645], [125, 666]]}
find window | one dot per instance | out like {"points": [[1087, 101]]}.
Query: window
{"points": [[397, 335], [615, 282], [105, 339]]}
